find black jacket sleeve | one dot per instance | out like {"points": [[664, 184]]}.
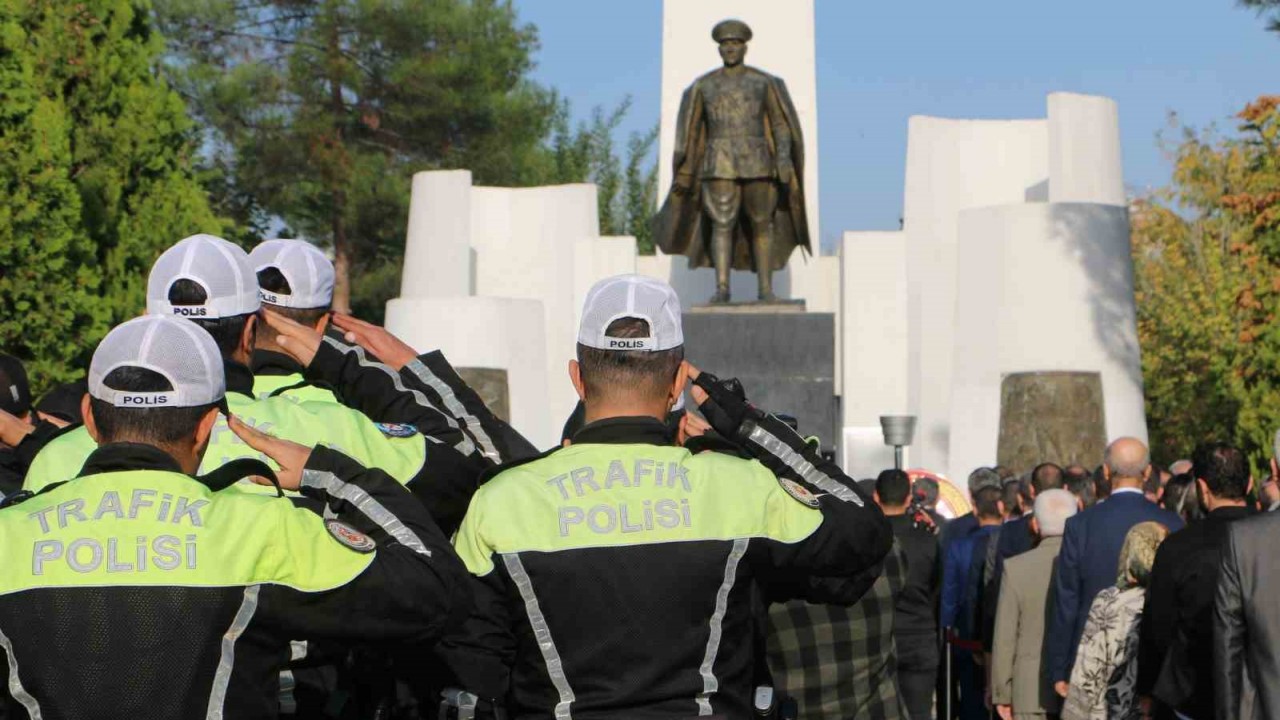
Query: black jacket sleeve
{"points": [[416, 586], [854, 535], [1229, 632], [427, 393], [1159, 621], [434, 376]]}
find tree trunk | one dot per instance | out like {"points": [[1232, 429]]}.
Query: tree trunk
{"points": [[341, 255], [341, 249]]}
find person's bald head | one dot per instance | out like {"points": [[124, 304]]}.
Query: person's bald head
{"points": [[1127, 462]]}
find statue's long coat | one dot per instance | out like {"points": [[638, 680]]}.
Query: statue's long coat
{"points": [[680, 226]]}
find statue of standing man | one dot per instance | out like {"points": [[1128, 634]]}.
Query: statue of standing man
{"points": [[737, 194]]}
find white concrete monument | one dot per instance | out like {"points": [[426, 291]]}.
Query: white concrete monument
{"points": [[1015, 258]]}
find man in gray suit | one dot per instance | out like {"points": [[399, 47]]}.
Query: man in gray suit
{"points": [[1020, 687], [1246, 622]]}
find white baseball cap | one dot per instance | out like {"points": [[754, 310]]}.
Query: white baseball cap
{"points": [[180, 351], [631, 296], [308, 272], [220, 267]]}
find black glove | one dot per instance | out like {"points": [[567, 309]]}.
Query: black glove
{"points": [[726, 406]]}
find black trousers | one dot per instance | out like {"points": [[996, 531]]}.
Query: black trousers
{"points": [[917, 672]]}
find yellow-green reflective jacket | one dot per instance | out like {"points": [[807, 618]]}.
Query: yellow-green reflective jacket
{"points": [[308, 423], [144, 593], [616, 577], [292, 387]]}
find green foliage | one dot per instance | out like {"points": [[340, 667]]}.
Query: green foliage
{"points": [[96, 153], [1207, 272]]}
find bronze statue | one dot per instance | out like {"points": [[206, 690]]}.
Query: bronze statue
{"points": [[737, 192]]}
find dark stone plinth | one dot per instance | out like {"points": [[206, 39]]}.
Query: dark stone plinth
{"points": [[785, 360], [491, 385], [1054, 417]]}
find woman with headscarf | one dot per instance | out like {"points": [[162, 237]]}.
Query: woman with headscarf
{"points": [[1102, 679]]}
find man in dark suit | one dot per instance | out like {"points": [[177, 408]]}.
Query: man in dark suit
{"points": [[1246, 626], [1175, 652], [965, 525], [915, 611], [1091, 550]]}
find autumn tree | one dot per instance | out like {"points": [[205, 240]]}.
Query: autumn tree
{"points": [[1207, 272]]}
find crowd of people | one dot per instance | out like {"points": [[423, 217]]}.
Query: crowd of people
{"points": [[1129, 591], [252, 506]]}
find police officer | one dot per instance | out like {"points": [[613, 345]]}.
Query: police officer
{"points": [[209, 281], [614, 576], [295, 280], [137, 590]]}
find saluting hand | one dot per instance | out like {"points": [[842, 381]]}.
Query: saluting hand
{"points": [[289, 455], [378, 340], [300, 341], [13, 429]]}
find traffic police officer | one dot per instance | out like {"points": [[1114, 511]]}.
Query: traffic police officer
{"points": [[209, 281], [138, 590], [295, 280], [614, 576]]}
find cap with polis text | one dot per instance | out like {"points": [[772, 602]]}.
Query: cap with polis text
{"points": [[631, 296], [306, 269], [15, 392], [185, 355], [221, 268]]}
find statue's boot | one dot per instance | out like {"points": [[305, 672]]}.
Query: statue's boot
{"points": [[764, 264], [722, 256]]}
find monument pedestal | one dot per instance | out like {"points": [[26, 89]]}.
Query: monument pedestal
{"points": [[784, 357]]}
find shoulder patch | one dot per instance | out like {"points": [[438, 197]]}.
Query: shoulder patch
{"points": [[397, 430], [799, 492], [350, 537]]}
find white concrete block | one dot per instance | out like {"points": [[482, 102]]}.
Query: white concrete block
{"points": [[873, 329], [489, 332], [1084, 150], [437, 253], [1042, 287]]}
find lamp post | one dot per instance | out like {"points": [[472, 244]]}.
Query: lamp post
{"points": [[898, 431]]}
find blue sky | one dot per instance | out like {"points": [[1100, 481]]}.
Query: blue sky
{"points": [[881, 62]]}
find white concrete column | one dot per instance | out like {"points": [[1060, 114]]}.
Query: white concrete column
{"points": [[1084, 150], [437, 252], [873, 326]]}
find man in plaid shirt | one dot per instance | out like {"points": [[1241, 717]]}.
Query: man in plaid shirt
{"points": [[840, 662]]}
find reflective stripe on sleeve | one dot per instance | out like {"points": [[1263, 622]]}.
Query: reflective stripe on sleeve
{"points": [[710, 683], [227, 662], [365, 503], [464, 446], [16, 690], [542, 633], [455, 406], [805, 469]]}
